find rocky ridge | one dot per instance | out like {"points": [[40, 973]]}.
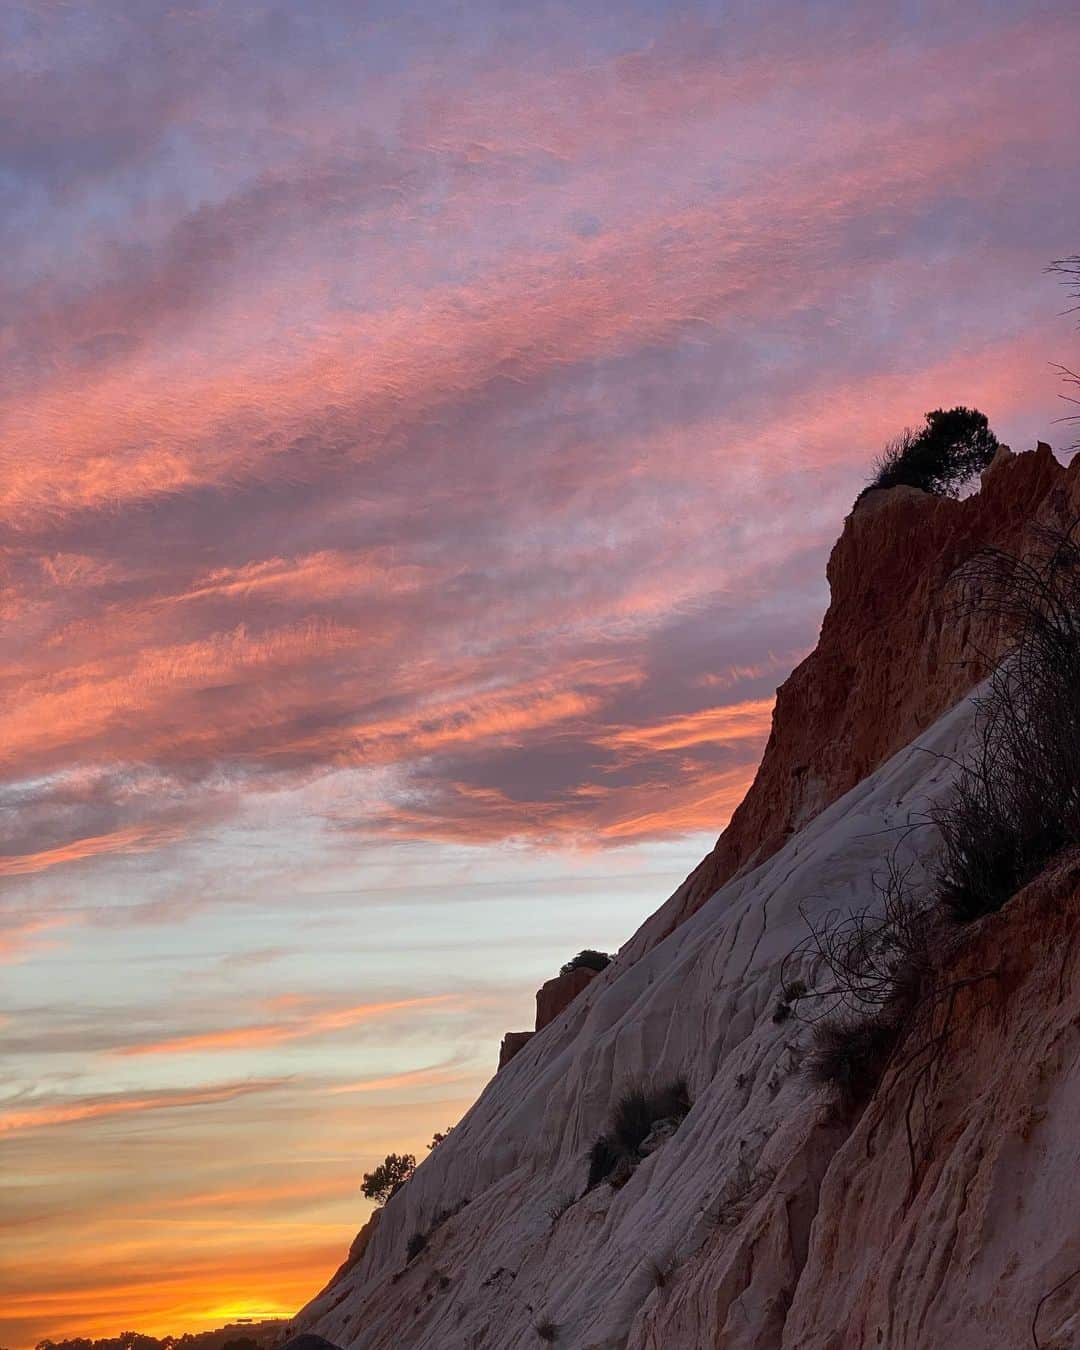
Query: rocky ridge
{"points": [[760, 1221]]}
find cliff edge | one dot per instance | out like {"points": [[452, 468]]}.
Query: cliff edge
{"points": [[890, 658], [752, 1217]]}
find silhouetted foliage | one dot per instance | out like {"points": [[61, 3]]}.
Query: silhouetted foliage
{"points": [[941, 457], [389, 1177], [258, 1335], [636, 1112], [588, 959], [438, 1137], [1017, 798], [415, 1245], [850, 1054], [641, 1106]]}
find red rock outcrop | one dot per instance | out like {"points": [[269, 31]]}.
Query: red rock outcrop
{"points": [[980, 1247], [552, 998], [888, 661], [512, 1042], [555, 995]]}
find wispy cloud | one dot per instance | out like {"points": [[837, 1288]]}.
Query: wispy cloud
{"points": [[420, 451], [20, 1118], [130, 839], [710, 726], [303, 1024]]}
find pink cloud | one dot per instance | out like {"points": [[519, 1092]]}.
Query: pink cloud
{"points": [[315, 1023], [22, 1118]]}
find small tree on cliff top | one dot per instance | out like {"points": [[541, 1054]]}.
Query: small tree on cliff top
{"points": [[589, 959], [390, 1175], [942, 457]]}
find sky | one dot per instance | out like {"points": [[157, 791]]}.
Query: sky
{"points": [[423, 429]]}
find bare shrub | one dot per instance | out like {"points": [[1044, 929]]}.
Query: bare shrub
{"points": [[1016, 801], [1068, 269], [881, 962], [876, 959], [886, 1006]]}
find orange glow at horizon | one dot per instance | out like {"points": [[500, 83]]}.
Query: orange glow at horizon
{"points": [[422, 442]]}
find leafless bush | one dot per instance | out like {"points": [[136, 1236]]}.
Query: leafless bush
{"points": [[1068, 269], [872, 960], [878, 966], [885, 1003], [1017, 797]]}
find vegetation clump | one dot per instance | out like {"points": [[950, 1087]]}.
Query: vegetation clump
{"points": [[637, 1111], [942, 457], [586, 960], [850, 1054], [389, 1177]]}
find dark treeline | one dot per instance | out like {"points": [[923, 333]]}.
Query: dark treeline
{"points": [[245, 1336]]}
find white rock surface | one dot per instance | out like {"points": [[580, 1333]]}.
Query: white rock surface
{"points": [[706, 1244]]}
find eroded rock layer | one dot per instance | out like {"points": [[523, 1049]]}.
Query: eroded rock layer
{"points": [[891, 656]]}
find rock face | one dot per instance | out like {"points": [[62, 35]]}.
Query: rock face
{"points": [[512, 1042], [552, 998], [357, 1248], [557, 994], [963, 1251], [763, 1222], [889, 659]]}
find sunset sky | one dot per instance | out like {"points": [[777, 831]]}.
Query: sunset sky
{"points": [[424, 426]]}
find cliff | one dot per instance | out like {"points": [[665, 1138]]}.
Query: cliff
{"points": [[891, 656], [761, 1220]]}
